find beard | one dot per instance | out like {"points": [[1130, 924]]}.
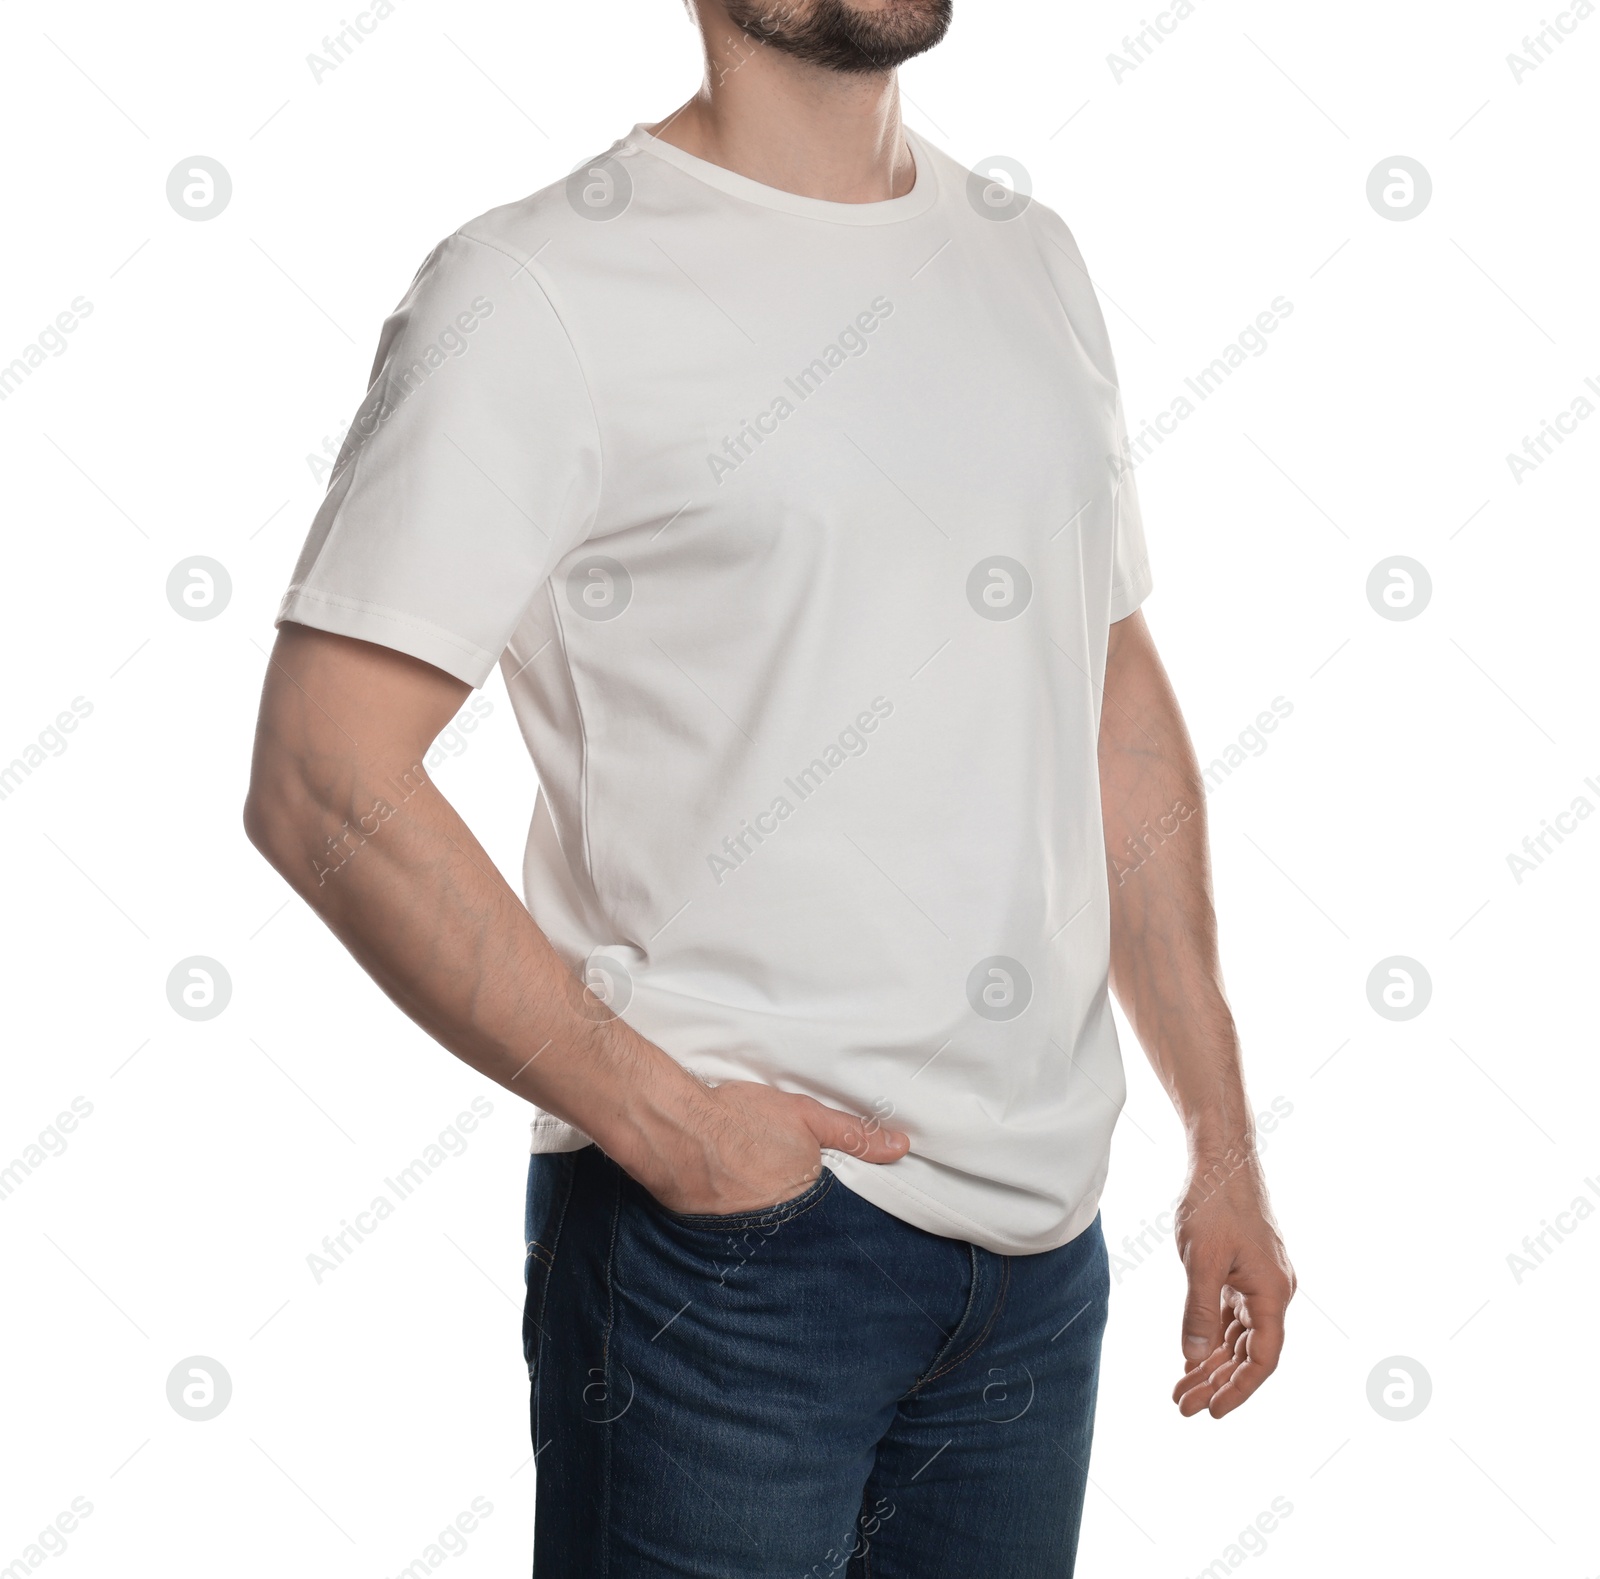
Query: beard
{"points": [[839, 35]]}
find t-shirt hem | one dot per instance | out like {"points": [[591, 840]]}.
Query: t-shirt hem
{"points": [[417, 638], [878, 1183], [1129, 593], [547, 1133], [873, 1182]]}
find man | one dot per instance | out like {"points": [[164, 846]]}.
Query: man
{"points": [[775, 458]]}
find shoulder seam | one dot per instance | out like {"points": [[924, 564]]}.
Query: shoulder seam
{"points": [[525, 265]]}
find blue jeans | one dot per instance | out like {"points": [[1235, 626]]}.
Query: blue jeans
{"points": [[815, 1391]]}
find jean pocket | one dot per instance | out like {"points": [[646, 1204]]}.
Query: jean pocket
{"points": [[549, 1188], [762, 1217]]}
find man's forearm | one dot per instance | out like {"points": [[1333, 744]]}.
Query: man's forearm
{"points": [[1164, 960], [373, 846]]}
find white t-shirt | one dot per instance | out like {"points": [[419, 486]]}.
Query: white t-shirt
{"points": [[796, 528]]}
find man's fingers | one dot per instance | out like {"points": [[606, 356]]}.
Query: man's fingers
{"points": [[1203, 1370], [865, 1139], [1232, 1327], [1199, 1375], [1202, 1313], [1238, 1387], [1261, 1348], [1204, 1390], [1247, 1356], [1265, 1318], [1244, 1380]]}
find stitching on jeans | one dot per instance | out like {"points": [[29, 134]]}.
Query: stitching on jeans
{"points": [[988, 1326], [934, 1369]]}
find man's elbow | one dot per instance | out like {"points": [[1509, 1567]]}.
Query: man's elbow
{"points": [[276, 809], [258, 821]]}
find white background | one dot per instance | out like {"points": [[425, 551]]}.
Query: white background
{"points": [[1229, 169]]}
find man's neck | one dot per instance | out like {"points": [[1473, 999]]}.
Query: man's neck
{"points": [[793, 126]]}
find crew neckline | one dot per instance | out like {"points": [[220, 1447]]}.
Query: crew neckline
{"points": [[886, 211]]}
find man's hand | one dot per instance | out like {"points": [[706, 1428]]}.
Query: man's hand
{"points": [[1240, 1283], [750, 1146]]}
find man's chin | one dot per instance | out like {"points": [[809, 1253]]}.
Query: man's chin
{"points": [[841, 35]]}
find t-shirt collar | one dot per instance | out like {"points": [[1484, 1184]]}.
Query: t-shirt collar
{"points": [[889, 211]]}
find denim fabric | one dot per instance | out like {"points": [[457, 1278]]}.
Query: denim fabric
{"points": [[815, 1391]]}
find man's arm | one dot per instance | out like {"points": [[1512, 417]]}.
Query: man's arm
{"points": [[1166, 974], [341, 805]]}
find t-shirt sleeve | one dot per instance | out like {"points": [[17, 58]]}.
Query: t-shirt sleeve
{"points": [[471, 468], [1130, 563], [1080, 300]]}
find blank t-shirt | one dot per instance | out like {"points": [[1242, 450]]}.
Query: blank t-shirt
{"points": [[796, 528]]}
